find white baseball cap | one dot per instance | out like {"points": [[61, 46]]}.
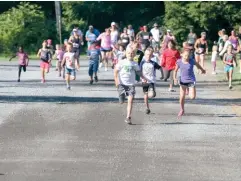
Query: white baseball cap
{"points": [[75, 29], [113, 24], [169, 30]]}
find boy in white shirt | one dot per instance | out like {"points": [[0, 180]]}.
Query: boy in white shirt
{"points": [[148, 69], [125, 74]]}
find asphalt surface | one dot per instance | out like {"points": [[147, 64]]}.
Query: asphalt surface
{"points": [[49, 133]]}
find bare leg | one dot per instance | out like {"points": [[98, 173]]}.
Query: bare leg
{"points": [[146, 101], [182, 100], [129, 106]]}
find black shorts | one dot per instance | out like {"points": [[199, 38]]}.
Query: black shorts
{"points": [[190, 84], [20, 67], [148, 87]]}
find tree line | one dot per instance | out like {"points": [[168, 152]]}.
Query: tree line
{"points": [[29, 23]]}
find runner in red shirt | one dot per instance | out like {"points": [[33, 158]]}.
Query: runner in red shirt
{"points": [[169, 59]]}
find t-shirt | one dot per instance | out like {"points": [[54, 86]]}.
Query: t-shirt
{"points": [[114, 36], [94, 55], [45, 55], [156, 34], [214, 56], [22, 57], [105, 41], [60, 54], [79, 32], [169, 59], [120, 55], [186, 71], [127, 72], [145, 37], [155, 57], [130, 32], [148, 69], [91, 36], [191, 38], [70, 60]]}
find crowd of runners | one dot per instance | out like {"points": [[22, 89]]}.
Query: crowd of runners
{"points": [[135, 57]]}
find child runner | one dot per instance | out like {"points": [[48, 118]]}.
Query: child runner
{"points": [[59, 54], [214, 58], [124, 74], [69, 61], [22, 61], [94, 57], [148, 69], [155, 58], [45, 56], [229, 60], [119, 54], [169, 59], [187, 77]]}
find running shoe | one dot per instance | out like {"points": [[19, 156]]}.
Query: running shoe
{"points": [[106, 69], [43, 81], [148, 111], [91, 82], [68, 87], [128, 120], [96, 79], [214, 73], [101, 64], [230, 87], [18, 80], [171, 90]]}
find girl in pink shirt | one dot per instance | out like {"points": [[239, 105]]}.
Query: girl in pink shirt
{"points": [[105, 47], [22, 61], [59, 54]]}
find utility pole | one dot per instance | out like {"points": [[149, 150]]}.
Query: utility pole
{"points": [[58, 19]]}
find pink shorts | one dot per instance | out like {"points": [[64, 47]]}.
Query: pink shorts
{"points": [[44, 65]]}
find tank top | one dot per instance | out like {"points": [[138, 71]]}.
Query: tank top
{"points": [[191, 39], [234, 43], [125, 39], [76, 42], [229, 58], [201, 47]]}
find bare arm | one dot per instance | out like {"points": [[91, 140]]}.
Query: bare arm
{"points": [[12, 57], [63, 61], [39, 52], [206, 47], [175, 73]]}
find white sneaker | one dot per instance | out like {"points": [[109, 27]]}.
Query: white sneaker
{"points": [[214, 73], [171, 90], [101, 64], [106, 69]]}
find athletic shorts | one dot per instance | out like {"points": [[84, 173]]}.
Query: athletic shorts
{"points": [[124, 91], [105, 49], [189, 84], [149, 87], [228, 68], [44, 65], [77, 53], [70, 72], [22, 67]]}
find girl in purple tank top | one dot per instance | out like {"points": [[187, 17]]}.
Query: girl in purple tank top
{"points": [[187, 77]]}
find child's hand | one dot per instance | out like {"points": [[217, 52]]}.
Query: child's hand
{"points": [[203, 71]]}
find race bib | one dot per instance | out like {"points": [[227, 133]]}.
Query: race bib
{"points": [[146, 37], [75, 45], [200, 50], [125, 41]]}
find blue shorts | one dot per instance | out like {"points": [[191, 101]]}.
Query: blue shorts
{"points": [[70, 72], [190, 84], [228, 68]]}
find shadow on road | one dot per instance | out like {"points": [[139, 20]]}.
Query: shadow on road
{"points": [[67, 99], [182, 123]]}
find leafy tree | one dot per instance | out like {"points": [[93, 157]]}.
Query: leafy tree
{"points": [[24, 25]]}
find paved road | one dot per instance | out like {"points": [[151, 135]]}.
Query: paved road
{"points": [[49, 133]]}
